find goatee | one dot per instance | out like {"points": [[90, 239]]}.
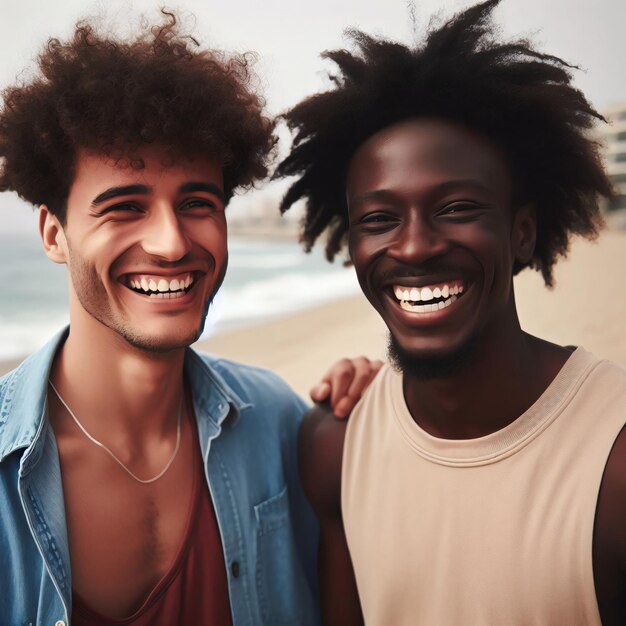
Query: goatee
{"points": [[432, 366]]}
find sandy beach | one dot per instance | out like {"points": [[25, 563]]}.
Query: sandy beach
{"points": [[587, 307]]}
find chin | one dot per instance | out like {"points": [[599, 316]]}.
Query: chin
{"points": [[159, 343], [432, 364]]}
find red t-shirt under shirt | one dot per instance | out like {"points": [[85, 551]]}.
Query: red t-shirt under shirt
{"points": [[195, 590]]}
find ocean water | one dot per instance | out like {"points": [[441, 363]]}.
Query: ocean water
{"points": [[265, 280]]}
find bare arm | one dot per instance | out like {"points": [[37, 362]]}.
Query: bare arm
{"points": [[609, 539], [320, 456]]}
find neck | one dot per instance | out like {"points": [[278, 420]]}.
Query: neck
{"points": [[115, 389], [508, 373]]}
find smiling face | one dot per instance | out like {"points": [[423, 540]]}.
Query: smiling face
{"points": [[433, 235], [145, 249]]}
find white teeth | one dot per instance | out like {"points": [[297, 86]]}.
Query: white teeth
{"points": [[162, 285], [427, 308], [415, 294], [168, 295]]}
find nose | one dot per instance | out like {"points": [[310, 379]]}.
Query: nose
{"points": [[416, 240], [164, 235]]}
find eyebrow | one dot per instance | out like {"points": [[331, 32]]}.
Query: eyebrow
{"points": [[206, 187], [451, 185], [378, 194], [132, 190], [114, 192]]}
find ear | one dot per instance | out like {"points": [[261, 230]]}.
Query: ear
{"points": [[52, 236], [524, 233]]}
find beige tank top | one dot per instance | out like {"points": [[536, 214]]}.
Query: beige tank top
{"points": [[496, 530]]}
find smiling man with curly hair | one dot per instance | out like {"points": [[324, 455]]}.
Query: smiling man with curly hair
{"points": [[141, 482]]}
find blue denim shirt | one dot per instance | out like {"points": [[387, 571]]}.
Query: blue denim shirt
{"points": [[247, 423]]}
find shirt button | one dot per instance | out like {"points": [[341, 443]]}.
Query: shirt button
{"points": [[234, 568], [59, 623]]}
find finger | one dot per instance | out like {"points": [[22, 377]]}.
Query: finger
{"points": [[340, 377], [376, 364], [344, 407], [320, 392], [364, 372]]}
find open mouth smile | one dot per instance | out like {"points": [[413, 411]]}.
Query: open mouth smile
{"points": [[160, 287], [429, 298]]}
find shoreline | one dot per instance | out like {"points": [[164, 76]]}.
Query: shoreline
{"points": [[585, 308], [287, 344]]}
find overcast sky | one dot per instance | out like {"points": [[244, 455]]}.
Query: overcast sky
{"points": [[288, 36]]}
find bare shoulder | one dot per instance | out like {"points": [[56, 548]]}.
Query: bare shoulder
{"points": [[612, 499], [320, 452], [609, 542]]}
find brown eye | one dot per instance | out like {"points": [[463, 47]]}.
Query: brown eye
{"points": [[461, 210], [459, 207], [199, 204], [130, 208], [376, 218]]}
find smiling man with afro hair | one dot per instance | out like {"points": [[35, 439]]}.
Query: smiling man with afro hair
{"points": [[521, 99], [481, 478]]}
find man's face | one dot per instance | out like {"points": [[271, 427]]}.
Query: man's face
{"points": [[431, 232], [146, 249]]}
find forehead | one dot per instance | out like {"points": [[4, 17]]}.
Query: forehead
{"points": [[419, 153], [149, 166]]}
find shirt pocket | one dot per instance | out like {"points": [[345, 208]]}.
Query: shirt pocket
{"points": [[284, 595]]}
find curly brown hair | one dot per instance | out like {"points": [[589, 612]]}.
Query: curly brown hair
{"points": [[519, 98], [97, 92]]}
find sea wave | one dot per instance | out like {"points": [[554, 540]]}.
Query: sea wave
{"points": [[276, 297], [28, 335], [265, 280], [269, 262]]}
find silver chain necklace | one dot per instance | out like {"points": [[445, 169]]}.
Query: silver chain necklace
{"points": [[112, 454]]}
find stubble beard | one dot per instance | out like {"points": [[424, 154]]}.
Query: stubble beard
{"points": [[94, 298], [433, 366]]}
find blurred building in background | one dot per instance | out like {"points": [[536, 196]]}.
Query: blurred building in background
{"points": [[256, 214], [613, 138]]}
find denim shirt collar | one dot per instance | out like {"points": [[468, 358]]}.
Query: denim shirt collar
{"points": [[23, 398]]}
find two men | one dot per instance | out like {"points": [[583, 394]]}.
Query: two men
{"points": [[167, 479], [481, 480]]}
